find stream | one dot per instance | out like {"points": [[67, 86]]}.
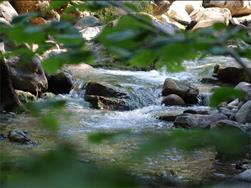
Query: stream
{"points": [[145, 106]]}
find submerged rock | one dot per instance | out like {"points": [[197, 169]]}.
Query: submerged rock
{"points": [[60, 83], [185, 90], [173, 100], [197, 120], [19, 136], [28, 76], [244, 113]]}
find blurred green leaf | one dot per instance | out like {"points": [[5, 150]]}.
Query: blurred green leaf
{"points": [[223, 94]]}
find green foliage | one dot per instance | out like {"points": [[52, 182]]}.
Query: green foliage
{"points": [[225, 93], [59, 168]]}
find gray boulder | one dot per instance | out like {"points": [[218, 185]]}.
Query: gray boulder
{"points": [[185, 90], [244, 113], [197, 120]]}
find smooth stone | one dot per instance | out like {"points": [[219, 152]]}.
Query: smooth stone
{"points": [[185, 90], [173, 100], [244, 113]]}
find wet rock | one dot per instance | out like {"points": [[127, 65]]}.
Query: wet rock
{"points": [[197, 120], [103, 89], [207, 17], [246, 88], [60, 83], [7, 12], [244, 113], [225, 74], [185, 90], [107, 103], [25, 97], [27, 76], [19, 136], [8, 98], [173, 100]]}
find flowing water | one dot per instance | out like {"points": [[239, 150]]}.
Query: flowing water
{"points": [[145, 101]]}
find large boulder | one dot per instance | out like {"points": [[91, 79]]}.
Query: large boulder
{"points": [[246, 88], [173, 100], [8, 97], [7, 12], [197, 120], [185, 90], [28, 76], [60, 83], [225, 74], [244, 113]]}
